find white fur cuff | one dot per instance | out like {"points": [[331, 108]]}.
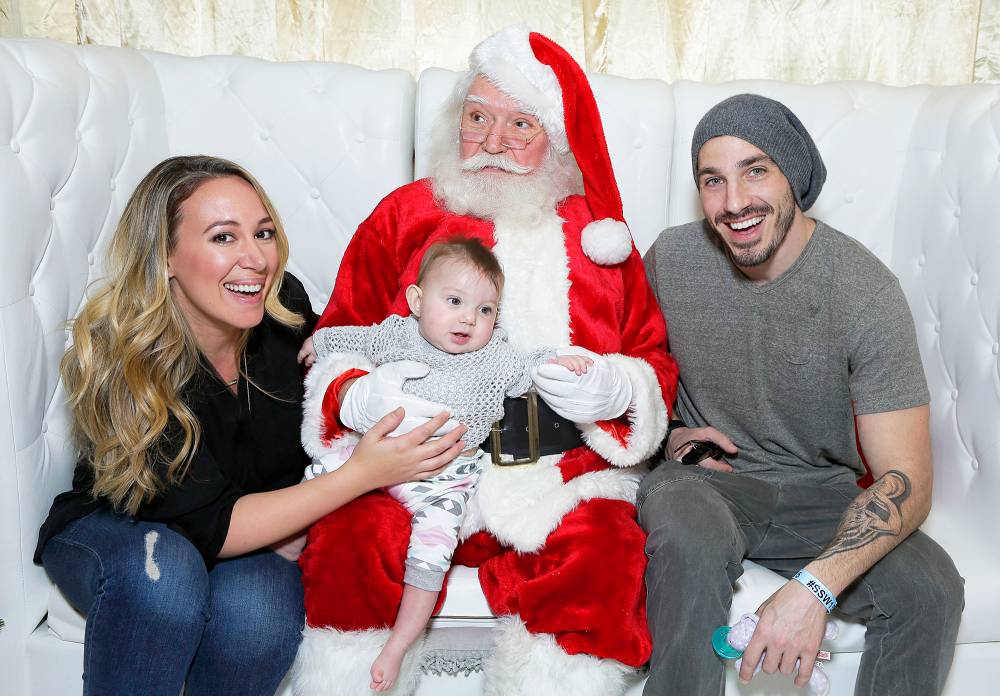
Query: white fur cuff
{"points": [[319, 378], [647, 415]]}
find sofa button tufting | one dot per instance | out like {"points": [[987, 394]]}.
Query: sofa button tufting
{"points": [[922, 260], [264, 135], [31, 289], [958, 212], [78, 135], [360, 137], [975, 465], [52, 204], [638, 143], [937, 327], [974, 280], [15, 146], [849, 197], [114, 185], [996, 349], [314, 193], [90, 259], [45, 427], [954, 395]]}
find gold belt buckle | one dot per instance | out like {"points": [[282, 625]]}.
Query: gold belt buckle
{"points": [[533, 448]]}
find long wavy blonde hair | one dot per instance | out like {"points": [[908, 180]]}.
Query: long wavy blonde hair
{"points": [[133, 352]]}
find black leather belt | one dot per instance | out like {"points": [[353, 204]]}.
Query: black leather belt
{"points": [[530, 429]]}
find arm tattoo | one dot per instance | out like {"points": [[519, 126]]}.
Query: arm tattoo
{"points": [[874, 514]]}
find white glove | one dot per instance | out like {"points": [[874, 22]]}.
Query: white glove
{"points": [[381, 391], [603, 392]]}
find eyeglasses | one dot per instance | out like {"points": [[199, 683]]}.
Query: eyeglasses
{"points": [[508, 140]]}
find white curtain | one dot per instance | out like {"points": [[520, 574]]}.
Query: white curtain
{"points": [[898, 42]]}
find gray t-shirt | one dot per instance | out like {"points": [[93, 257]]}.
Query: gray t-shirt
{"points": [[777, 366]]}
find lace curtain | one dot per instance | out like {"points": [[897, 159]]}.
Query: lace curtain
{"points": [[898, 42]]}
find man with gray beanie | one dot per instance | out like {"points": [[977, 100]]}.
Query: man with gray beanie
{"points": [[794, 345]]}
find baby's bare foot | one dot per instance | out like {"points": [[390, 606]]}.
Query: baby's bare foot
{"points": [[385, 669]]}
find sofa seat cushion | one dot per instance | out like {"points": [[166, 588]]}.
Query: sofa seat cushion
{"points": [[466, 606]]}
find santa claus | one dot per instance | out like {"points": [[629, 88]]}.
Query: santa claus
{"points": [[519, 161]]}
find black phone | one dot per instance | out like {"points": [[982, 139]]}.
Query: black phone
{"points": [[700, 451]]}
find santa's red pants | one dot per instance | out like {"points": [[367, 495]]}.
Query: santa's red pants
{"points": [[585, 586]]}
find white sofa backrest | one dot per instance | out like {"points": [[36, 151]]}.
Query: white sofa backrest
{"points": [[947, 256], [79, 127], [327, 141]]}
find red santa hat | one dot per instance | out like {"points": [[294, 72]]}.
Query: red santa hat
{"points": [[551, 86]]}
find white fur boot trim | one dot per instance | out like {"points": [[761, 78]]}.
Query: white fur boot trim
{"points": [[338, 663], [527, 664]]}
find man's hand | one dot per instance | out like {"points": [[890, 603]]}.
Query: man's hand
{"points": [[381, 391], [681, 440], [790, 630], [601, 393]]}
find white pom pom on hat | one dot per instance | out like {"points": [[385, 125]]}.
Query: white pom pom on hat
{"points": [[551, 86]]}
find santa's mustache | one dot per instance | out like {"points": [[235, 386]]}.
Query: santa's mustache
{"points": [[485, 160]]}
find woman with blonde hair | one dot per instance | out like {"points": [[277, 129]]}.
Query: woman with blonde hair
{"points": [[179, 536]]}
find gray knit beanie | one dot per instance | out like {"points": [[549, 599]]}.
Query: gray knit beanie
{"points": [[772, 127]]}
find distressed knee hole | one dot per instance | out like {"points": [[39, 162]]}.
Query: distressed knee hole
{"points": [[152, 570]]}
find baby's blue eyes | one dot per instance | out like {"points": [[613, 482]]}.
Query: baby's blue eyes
{"points": [[486, 311], [454, 301]]}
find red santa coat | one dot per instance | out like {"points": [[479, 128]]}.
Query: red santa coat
{"points": [[556, 542]]}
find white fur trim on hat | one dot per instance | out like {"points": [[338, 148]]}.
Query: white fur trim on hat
{"points": [[507, 61], [647, 415], [530, 664], [606, 242], [338, 663]]}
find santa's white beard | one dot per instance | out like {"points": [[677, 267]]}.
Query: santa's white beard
{"points": [[518, 199]]}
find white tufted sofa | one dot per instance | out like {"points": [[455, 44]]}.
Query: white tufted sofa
{"points": [[913, 174]]}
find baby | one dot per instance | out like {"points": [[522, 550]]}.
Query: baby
{"points": [[452, 329]]}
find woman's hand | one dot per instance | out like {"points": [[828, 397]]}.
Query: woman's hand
{"points": [[384, 460]]}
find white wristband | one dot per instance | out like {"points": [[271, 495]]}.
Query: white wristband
{"points": [[819, 590]]}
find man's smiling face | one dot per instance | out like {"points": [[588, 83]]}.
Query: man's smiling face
{"points": [[747, 200]]}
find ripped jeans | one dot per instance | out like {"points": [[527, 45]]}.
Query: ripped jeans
{"points": [[158, 619]]}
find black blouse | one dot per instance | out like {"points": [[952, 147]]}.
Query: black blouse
{"points": [[249, 440]]}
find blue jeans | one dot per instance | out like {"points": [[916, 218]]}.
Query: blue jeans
{"points": [[158, 619]]}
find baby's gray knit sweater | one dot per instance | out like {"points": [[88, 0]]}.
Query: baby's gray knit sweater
{"points": [[473, 385]]}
